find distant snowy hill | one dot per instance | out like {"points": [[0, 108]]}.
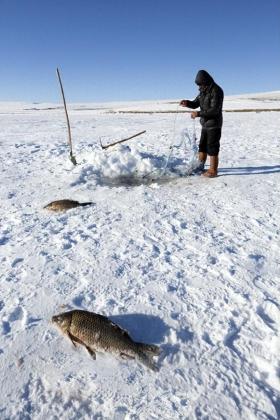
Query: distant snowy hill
{"points": [[266, 100]]}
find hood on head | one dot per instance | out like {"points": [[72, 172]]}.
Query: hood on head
{"points": [[203, 78]]}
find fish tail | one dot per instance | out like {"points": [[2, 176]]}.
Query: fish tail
{"points": [[147, 361], [86, 204], [151, 349]]}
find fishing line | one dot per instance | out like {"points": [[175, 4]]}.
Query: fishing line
{"points": [[175, 122], [170, 147], [186, 133]]}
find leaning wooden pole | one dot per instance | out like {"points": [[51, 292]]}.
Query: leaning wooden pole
{"points": [[121, 141], [72, 157]]}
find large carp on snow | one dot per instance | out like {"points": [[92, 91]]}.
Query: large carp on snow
{"points": [[97, 333]]}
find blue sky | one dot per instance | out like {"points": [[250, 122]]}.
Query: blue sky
{"points": [[136, 50]]}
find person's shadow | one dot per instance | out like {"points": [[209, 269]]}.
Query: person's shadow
{"points": [[249, 170]]}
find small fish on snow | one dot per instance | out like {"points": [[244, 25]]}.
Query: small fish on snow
{"points": [[61, 205], [97, 333]]}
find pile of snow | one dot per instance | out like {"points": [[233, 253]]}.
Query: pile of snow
{"points": [[122, 160], [126, 162]]}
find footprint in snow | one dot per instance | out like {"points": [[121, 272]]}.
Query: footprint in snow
{"points": [[232, 335], [212, 260], [6, 328], [183, 225], [16, 315], [78, 301], [11, 195], [185, 335], [2, 304], [17, 261], [4, 240], [270, 314], [258, 260], [18, 319], [207, 339]]}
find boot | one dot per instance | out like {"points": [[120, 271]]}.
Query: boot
{"points": [[202, 159], [213, 170]]}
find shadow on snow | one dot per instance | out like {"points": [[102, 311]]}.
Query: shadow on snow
{"points": [[144, 328], [250, 170]]}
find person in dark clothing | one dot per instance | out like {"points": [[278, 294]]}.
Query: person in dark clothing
{"points": [[210, 101]]}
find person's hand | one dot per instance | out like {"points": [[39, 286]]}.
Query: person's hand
{"points": [[194, 115], [184, 102]]}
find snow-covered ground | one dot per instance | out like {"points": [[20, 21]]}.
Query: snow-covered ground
{"points": [[188, 263]]}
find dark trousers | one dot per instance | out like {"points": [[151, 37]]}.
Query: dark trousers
{"points": [[210, 141]]}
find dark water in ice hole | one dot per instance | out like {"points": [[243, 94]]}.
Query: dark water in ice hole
{"points": [[136, 180]]}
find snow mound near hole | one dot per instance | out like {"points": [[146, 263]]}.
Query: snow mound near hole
{"points": [[122, 161], [126, 162]]}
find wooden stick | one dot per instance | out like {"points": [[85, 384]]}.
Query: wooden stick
{"points": [[72, 157], [121, 141]]}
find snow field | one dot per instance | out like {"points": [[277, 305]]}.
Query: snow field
{"points": [[187, 263]]}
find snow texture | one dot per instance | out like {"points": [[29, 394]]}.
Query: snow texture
{"points": [[187, 263]]}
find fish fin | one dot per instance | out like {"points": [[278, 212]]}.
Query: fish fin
{"points": [[126, 356], [119, 329], [91, 352], [73, 339], [76, 340], [151, 349]]}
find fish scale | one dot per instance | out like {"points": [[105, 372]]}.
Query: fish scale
{"points": [[98, 331]]}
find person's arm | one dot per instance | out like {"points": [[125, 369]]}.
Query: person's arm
{"points": [[194, 104], [190, 104]]}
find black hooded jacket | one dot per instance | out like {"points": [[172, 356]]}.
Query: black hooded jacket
{"points": [[210, 101]]}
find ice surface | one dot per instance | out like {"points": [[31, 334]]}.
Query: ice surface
{"points": [[187, 263]]}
